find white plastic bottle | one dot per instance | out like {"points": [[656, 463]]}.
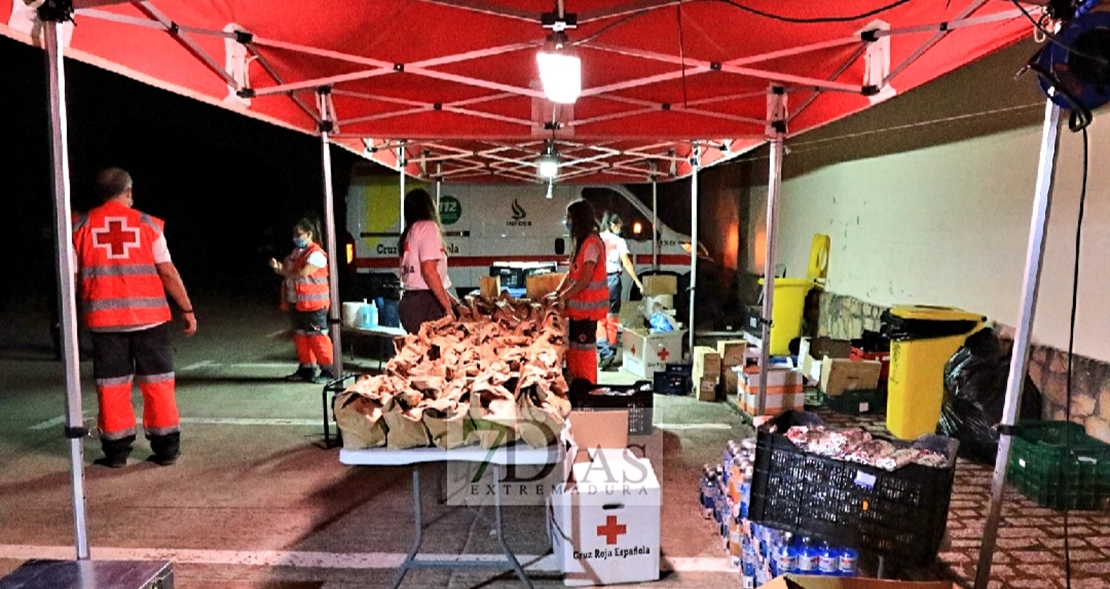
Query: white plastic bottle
{"points": [[369, 314]]}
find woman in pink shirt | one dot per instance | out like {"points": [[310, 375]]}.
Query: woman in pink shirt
{"points": [[423, 265]]}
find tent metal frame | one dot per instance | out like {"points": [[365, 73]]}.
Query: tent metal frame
{"points": [[653, 154], [744, 69]]}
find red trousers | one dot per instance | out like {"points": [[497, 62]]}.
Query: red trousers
{"points": [[145, 356]]}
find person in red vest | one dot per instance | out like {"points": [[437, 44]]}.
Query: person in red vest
{"points": [[305, 294], [124, 273], [584, 292]]}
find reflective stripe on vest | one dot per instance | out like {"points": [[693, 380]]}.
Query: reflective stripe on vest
{"points": [[120, 284], [311, 291], [592, 303]]}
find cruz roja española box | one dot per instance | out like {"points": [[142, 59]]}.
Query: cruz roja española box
{"points": [[605, 521]]}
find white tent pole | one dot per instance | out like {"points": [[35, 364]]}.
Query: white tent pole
{"points": [[326, 126], [401, 163], [776, 131], [1050, 142], [63, 233], [439, 185], [696, 163], [654, 219]]}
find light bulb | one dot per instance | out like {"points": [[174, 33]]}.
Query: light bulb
{"points": [[561, 75], [548, 166]]}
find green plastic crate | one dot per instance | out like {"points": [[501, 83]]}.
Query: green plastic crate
{"points": [[1058, 472]]}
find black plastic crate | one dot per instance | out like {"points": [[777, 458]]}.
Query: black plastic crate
{"points": [[675, 380], [637, 398], [900, 514]]}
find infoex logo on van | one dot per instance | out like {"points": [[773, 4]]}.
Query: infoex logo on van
{"points": [[519, 216]]}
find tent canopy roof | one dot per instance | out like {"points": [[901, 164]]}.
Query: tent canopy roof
{"points": [[454, 83]]}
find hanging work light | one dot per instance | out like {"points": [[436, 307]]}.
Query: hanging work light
{"points": [[560, 67], [547, 166], [560, 70]]}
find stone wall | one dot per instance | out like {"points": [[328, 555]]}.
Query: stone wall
{"points": [[845, 317]]}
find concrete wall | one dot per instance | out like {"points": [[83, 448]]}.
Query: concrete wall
{"points": [[949, 225]]}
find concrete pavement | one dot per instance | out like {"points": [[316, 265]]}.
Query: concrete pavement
{"points": [[255, 500]]}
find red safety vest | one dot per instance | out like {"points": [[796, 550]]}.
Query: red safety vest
{"points": [[120, 286], [592, 303], [311, 291]]}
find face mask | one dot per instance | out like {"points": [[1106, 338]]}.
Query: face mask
{"points": [[568, 225], [300, 241]]}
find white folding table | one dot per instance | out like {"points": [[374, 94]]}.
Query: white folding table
{"points": [[517, 454], [381, 333]]}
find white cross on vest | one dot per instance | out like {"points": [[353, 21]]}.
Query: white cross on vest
{"points": [[116, 237]]}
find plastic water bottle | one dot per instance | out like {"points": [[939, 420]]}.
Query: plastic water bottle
{"points": [[745, 493], [368, 315], [708, 488], [828, 563], [747, 565], [787, 555], [847, 566], [808, 558]]}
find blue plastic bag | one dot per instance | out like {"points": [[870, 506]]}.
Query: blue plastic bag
{"points": [[661, 322]]}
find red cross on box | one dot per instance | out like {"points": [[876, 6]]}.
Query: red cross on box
{"points": [[611, 530], [632, 349], [116, 237], [663, 353]]}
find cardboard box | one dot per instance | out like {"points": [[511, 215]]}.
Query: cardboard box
{"points": [[707, 362], [732, 352], [707, 389], [812, 349], [632, 314], [659, 284], [784, 390], [605, 526], [842, 374], [636, 400], [814, 582], [730, 380], [646, 353]]}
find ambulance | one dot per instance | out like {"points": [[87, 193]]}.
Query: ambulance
{"points": [[495, 224]]}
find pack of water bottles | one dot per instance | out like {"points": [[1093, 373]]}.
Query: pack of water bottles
{"points": [[760, 553], [768, 553]]}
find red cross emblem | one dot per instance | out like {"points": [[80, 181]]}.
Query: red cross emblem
{"points": [[632, 349], [611, 530], [116, 237], [663, 353]]}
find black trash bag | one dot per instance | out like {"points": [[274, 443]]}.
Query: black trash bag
{"points": [[975, 395]]}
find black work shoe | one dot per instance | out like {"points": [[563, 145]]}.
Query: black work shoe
{"points": [[303, 374], [112, 462], [324, 377], [164, 459]]}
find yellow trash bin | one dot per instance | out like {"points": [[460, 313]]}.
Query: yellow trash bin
{"points": [[786, 315], [922, 339]]}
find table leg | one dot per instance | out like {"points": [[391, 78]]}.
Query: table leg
{"points": [[501, 532], [418, 520], [327, 424]]}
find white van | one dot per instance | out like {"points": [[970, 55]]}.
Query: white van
{"points": [[488, 223]]}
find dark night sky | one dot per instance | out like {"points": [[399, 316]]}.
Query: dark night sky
{"points": [[225, 184]]}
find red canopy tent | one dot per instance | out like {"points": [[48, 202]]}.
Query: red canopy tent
{"points": [[447, 89], [455, 82]]}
